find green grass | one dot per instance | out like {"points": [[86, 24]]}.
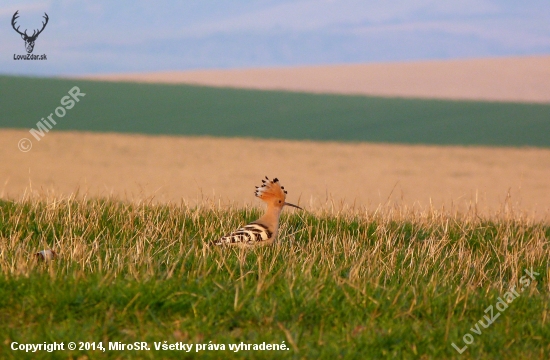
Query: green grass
{"points": [[195, 110], [390, 284]]}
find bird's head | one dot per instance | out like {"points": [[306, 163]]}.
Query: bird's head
{"points": [[273, 193]]}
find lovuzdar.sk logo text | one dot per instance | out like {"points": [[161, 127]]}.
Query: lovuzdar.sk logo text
{"points": [[29, 39]]}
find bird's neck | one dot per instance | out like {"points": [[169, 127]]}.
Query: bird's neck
{"points": [[271, 218]]}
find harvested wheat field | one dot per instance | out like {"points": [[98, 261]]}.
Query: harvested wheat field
{"points": [[316, 174]]}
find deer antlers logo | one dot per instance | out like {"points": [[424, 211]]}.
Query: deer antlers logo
{"points": [[29, 40]]}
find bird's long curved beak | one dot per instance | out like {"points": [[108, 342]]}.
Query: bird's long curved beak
{"points": [[296, 206]]}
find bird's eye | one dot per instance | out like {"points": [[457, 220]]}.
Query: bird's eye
{"points": [[279, 201]]}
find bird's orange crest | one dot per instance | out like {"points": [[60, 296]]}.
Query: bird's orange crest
{"points": [[271, 190]]}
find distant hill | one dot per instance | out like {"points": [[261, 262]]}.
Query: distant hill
{"points": [[509, 79], [199, 110]]}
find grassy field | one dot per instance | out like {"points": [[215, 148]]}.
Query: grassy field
{"points": [[196, 110], [388, 284]]}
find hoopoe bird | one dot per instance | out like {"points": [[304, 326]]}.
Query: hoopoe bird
{"points": [[264, 230]]}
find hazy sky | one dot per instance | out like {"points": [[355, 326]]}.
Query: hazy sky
{"points": [[139, 35]]}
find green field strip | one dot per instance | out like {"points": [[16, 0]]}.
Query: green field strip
{"points": [[199, 110]]}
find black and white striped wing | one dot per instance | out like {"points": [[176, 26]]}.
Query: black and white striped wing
{"points": [[250, 234]]}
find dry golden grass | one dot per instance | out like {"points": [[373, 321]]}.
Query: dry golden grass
{"points": [[105, 236]]}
